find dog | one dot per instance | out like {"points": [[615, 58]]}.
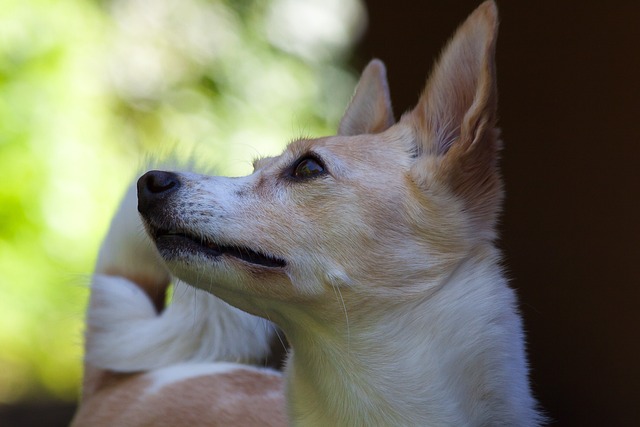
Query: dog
{"points": [[373, 251]]}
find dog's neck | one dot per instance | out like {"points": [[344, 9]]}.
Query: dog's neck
{"points": [[445, 360]]}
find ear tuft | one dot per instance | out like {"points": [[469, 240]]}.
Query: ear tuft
{"points": [[370, 108]]}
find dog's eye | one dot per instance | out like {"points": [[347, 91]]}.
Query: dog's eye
{"points": [[308, 167]]}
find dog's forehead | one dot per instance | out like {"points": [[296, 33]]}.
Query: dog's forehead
{"points": [[348, 149], [303, 146], [292, 151]]}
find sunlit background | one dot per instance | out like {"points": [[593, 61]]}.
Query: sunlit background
{"points": [[89, 89]]}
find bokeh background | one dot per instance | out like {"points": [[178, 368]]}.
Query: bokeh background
{"points": [[90, 89]]}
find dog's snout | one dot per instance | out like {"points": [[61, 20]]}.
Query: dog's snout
{"points": [[155, 187]]}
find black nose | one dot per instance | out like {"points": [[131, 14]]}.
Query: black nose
{"points": [[154, 188]]}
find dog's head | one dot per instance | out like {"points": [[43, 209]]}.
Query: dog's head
{"points": [[382, 209]]}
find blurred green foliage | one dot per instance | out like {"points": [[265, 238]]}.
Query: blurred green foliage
{"points": [[89, 89]]}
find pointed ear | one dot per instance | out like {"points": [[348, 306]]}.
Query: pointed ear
{"points": [[454, 121], [459, 101], [370, 108]]}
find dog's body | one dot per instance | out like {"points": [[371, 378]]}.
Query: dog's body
{"points": [[372, 250]]}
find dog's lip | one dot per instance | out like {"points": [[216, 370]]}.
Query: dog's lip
{"points": [[178, 238]]}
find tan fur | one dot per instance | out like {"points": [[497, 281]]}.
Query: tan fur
{"points": [[458, 132], [371, 92], [235, 399]]}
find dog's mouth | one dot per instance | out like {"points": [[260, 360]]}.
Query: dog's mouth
{"points": [[172, 243]]}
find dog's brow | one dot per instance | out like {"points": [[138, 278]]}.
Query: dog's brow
{"points": [[299, 147], [259, 162]]}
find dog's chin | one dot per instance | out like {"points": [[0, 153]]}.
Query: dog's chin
{"points": [[181, 246]]}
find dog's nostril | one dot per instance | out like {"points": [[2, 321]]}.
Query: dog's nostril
{"points": [[155, 186], [159, 182], [156, 182]]}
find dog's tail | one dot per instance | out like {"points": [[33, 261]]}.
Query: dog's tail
{"points": [[130, 330]]}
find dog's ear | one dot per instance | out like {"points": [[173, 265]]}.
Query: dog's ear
{"points": [[370, 108], [454, 121]]}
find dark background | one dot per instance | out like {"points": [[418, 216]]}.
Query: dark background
{"points": [[569, 82]]}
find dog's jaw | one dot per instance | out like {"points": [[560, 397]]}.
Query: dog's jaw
{"points": [[179, 245]]}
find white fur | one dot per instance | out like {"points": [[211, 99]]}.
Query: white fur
{"points": [[430, 361], [173, 374], [128, 335]]}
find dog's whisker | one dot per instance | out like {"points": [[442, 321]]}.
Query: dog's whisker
{"points": [[275, 330], [338, 294]]}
